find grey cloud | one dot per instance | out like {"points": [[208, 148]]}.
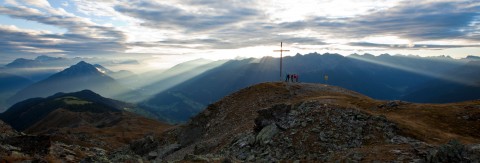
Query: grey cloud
{"points": [[403, 46], [228, 43], [425, 21], [235, 24], [236, 27], [18, 42], [14, 42], [164, 44], [231, 26], [417, 22], [27, 41], [171, 17], [82, 38]]}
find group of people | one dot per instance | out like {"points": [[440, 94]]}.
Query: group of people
{"points": [[291, 78]]}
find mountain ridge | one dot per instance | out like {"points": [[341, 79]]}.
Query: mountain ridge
{"points": [[75, 78], [461, 85], [28, 108], [265, 122], [70, 127], [271, 122], [384, 77]]}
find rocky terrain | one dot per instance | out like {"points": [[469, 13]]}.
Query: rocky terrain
{"points": [[70, 127], [267, 122], [273, 122]]}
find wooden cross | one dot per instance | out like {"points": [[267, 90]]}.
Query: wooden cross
{"points": [[281, 51]]}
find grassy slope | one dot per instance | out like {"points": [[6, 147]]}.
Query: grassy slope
{"points": [[431, 123]]}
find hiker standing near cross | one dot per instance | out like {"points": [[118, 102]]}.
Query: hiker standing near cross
{"points": [[281, 52]]}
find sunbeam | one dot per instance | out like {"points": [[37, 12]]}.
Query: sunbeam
{"points": [[413, 70], [151, 83]]}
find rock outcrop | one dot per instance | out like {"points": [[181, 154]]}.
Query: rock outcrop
{"points": [[274, 122]]}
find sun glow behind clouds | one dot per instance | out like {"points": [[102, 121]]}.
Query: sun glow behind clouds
{"points": [[287, 11], [392, 40], [241, 29]]}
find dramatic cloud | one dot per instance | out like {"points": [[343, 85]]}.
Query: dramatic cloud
{"points": [[162, 16], [82, 37], [230, 26], [180, 27], [419, 21], [410, 46]]}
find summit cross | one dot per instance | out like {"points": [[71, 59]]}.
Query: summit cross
{"points": [[281, 52]]}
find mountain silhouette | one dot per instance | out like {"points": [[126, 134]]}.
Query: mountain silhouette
{"points": [[9, 85], [26, 113], [75, 78], [44, 66], [82, 121], [463, 84], [10, 82], [384, 77], [39, 68], [40, 61]]}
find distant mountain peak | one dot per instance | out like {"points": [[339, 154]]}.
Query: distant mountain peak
{"points": [[77, 77], [83, 63], [471, 57], [80, 68], [20, 62], [47, 58]]}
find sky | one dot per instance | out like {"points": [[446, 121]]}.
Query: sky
{"points": [[161, 33]]}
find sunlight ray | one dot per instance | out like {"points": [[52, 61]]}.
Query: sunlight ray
{"points": [[413, 70]]}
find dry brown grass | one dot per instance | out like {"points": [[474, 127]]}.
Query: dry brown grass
{"points": [[436, 123], [432, 123], [129, 127]]}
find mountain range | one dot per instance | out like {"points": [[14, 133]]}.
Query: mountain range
{"points": [[44, 66], [49, 61], [383, 77], [179, 93], [266, 122], [75, 78], [40, 61], [307, 122]]}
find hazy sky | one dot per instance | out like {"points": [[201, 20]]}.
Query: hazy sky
{"points": [[163, 32]]}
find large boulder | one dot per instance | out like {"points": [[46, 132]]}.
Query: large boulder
{"points": [[266, 134]]}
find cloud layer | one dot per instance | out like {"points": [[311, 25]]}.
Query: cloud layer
{"points": [[183, 26], [82, 37]]}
